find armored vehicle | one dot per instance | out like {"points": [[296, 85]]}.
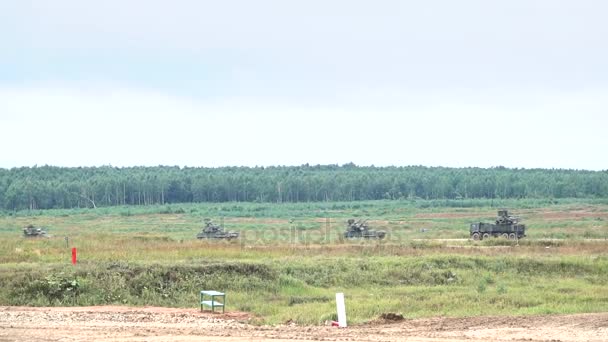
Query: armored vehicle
{"points": [[360, 229], [506, 226], [31, 232], [214, 231]]}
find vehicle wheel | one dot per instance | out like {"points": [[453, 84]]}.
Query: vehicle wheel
{"points": [[506, 236], [475, 236], [486, 235], [512, 236]]}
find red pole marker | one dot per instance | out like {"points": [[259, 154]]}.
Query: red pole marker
{"points": [[74, 256]]}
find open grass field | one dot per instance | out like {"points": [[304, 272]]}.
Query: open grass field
{"points": [[290, 259]]}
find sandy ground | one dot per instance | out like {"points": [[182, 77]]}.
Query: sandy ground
{"points": [[113, 323]]}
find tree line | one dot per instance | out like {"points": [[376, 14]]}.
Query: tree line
{"points": [[62, 187]]}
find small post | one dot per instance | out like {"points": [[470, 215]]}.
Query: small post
{"points": [[74, 256], [327, 228], [341, 310], [292, 233], [67, 242]]}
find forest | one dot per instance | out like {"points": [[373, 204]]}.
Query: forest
{"points": [[46, 187]]}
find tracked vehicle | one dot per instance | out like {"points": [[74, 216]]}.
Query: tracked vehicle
{"points": [[214, 231], [360, 229], [32, 232], [506, 226]]}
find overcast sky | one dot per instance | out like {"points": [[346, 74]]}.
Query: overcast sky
{"points": [[517, 83]]}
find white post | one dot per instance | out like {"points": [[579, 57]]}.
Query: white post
{"points": [[341, 310]]}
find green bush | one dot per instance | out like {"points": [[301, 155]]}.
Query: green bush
{"points": [[54, 287]]}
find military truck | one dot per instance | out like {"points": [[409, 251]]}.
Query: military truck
{"points": [[506, 226], [360, 229], [32, 232], [214, 231]]}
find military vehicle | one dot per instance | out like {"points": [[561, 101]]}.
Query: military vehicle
{"points": [[31, 232], [506, 226], [360, 229], [214, 231]]}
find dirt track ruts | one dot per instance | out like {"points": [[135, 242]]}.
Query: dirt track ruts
{"points": [[117, 323]]}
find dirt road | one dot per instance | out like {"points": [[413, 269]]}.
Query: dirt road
{"points": [[163, 324]]}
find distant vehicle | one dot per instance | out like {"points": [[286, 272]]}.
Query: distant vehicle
{"points": [[506, 226], [360, 229], [213, 231], [32, 232]]}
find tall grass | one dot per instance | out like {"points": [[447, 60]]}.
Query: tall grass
{"points": [[291, 259], [302, 289]]}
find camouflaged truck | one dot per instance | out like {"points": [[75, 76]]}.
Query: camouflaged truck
{"points": [[214, 231], [360, 229], [506, 226]]}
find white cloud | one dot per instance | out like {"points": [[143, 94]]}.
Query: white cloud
{"points": [[468, 83], [76, 125], [421, 44]]}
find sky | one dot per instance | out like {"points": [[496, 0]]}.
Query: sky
{"points": [[518, 83]]}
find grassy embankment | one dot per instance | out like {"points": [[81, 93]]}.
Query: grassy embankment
{"points": [[148, 256]]}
